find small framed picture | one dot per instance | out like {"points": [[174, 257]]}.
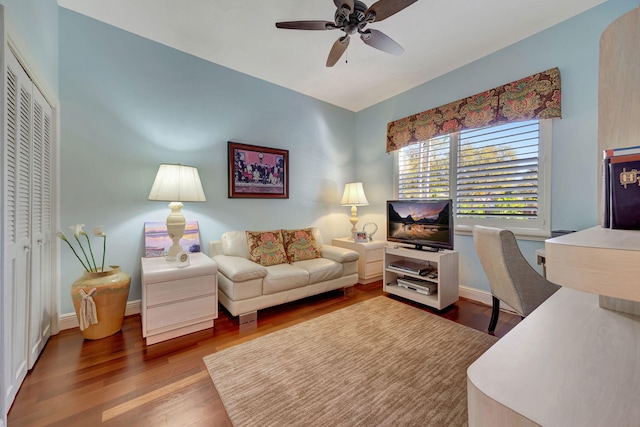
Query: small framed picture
{"points": [[360, 237]]}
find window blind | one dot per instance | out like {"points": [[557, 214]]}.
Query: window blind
{"points": [[494, 174], [497, 171], [424, 169]]}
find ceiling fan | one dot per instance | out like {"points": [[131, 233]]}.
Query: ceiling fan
{"points": [[352, 16]]}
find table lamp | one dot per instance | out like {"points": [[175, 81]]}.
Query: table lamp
{"points": [[354, 196], [176, 184]]}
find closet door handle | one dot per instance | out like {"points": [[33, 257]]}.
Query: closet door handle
{"points": [[26, 248]]}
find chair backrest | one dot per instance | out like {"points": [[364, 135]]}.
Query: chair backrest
{"points": [[512, 279]]}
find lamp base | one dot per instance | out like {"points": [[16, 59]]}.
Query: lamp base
{"points": [[353, 220], [175, 228]]}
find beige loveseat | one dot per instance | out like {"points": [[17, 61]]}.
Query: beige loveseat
{"points": [[245, 286]]}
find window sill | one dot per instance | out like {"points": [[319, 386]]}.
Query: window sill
{"points": [[520, 233]]}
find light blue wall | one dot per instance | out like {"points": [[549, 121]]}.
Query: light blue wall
{"points": [[33, 24], [129, 104], [573, 46]]}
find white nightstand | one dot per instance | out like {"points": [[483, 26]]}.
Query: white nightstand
{"points": [[370, 261], [178, 300]]}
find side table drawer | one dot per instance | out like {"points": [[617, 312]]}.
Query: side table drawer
{"points": [[181, 312], [373, 269], [167, 292], [371, 254], [375, 255]]}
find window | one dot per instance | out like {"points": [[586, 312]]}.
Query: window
{"points": [[497, 176]]}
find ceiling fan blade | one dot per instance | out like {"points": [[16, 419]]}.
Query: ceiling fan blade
{"points": [[385, 8], [306, 25], [381, 41], [346, 3], [337, 50]]}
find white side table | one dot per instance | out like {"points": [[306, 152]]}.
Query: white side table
{"points": [[370, 260], [178, 300]]}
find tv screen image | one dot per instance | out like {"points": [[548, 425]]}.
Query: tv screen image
{"points": [[425, 222]]}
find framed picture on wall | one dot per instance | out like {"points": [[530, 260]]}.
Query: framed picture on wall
{"points": [[258, 172]]}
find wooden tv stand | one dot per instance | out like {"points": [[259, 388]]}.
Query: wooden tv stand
{"points": [[444, 262]]}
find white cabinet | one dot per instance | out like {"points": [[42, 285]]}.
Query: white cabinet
{"points": [[369, 260], [41, 227], [443, 275], [27, 177], [178, 300]]}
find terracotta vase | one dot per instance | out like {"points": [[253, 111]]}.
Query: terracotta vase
{"points": [[110, 298]]}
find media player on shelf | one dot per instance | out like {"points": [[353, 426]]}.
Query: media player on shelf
{"points": [[427, 288], [407, 266]]}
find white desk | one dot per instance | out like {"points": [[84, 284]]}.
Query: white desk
{"points": [[597, 260], [569, 363]]}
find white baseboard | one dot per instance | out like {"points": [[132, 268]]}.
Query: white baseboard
{"points": [[70, 321], [483, 297], [477, 295]]}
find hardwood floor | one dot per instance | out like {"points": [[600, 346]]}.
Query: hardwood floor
{"points": [[120, 381]]}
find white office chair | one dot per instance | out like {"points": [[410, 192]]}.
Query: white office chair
{"points": [[511, 277]]}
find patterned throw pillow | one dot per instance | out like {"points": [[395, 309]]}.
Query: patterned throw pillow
{"points": [[266, 247], [300, 244]]}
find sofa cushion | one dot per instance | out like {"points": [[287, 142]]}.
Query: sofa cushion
{"points": [[317, 236], [320, 269], [300, 244], [234, 243], [266, 247], [283, 277]]}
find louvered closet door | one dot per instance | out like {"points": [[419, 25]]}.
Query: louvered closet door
{"points": [[17, 219], [40, 280]]}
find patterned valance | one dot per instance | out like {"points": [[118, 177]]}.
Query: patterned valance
{"points": [[534, 97]]}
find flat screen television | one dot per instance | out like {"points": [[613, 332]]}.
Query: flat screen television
{"points": [[423, 223]]}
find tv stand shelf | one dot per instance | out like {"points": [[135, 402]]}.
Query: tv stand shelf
{"points": [[444, 262]]}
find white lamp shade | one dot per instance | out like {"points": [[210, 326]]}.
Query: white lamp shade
{"points": [[177, 183], [354, 195]]}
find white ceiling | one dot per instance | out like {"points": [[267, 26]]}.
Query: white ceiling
{"points": [[438, 36]]}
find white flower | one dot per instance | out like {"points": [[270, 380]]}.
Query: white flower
{"points": [[77, 229], [99, 232], [89, 262]]}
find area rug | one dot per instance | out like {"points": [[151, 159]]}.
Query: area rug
{"points": [[376, 363]]}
